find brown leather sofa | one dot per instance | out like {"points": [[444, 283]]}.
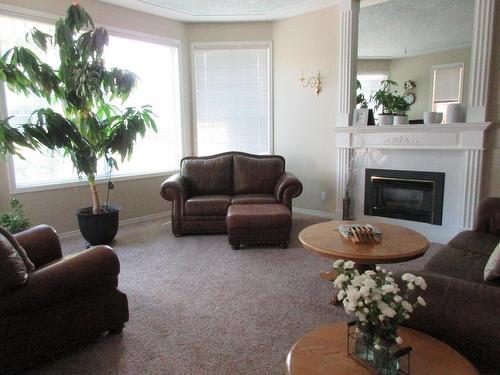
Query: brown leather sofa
{"points": [[64, 302], [462, 309], [206, 186]]}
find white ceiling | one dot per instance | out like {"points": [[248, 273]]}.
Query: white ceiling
{"points": [[224, 10], [401, 28]]}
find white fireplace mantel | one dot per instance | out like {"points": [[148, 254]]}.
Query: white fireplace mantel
{"points": [[466, 138]]}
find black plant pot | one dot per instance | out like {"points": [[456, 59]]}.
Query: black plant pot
{"points": [[99, 229]]}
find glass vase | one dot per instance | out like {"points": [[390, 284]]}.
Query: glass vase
{"points": [[364, 345], [384, 359]]}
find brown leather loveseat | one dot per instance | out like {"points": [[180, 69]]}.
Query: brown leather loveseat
{"points": [[206, 186]]}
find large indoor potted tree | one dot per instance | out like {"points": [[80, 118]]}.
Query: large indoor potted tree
{"points": [[384, 99], [90, 126]]}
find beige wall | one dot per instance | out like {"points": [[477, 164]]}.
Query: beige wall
{"points": [[229, 31], [491, 186], [375, 66], [418, 69], [138, 197], [302, 120]]}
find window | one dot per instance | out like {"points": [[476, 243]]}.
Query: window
{"points": [[156, 65], [233, 98], [370, 83], [447, 86]]}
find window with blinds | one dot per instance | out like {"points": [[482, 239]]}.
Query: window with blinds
{"points": [[447, 86], [233, 98], [156, 65]]}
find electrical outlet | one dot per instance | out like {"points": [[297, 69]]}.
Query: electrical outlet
{"points": [[323, 195]]}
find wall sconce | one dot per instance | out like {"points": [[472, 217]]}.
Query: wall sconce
{"points": [[313, 82]]}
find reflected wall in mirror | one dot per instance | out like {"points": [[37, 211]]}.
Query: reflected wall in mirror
{"points": [[427, 42]]}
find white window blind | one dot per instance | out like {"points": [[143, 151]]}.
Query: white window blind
{"points": [[447, 83], [233, 93], [157, 67]]}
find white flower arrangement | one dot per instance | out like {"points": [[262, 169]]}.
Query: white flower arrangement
{"points": [[378, 302]]}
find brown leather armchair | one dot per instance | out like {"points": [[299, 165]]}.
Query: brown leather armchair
{"points": [[65, 301], [206, 186], [462, 309]]}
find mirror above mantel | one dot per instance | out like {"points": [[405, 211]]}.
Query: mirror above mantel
{"points": [[425, 48], [478, 29]]}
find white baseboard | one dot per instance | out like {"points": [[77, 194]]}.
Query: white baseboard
{"points": [[323, 214], [125, 222]]}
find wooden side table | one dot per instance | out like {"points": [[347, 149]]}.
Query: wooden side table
{"points": [[323, 351]]}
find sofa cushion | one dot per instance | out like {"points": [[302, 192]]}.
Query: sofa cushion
{"points": [[475, 242], [257, 175], [492, 269], [253, 199], [208, 176], [29, 264], [458, 263], [207, 205], [13, 271]]}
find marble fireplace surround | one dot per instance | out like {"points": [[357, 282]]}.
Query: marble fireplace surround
{"points": [[454, 149]]}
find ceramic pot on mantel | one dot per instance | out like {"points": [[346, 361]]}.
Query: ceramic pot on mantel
{"points": [[384, 120], [400, 120]]}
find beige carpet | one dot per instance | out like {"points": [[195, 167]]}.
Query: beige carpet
{"points": [[197, 307]]}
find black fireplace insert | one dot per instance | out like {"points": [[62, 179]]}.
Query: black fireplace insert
{"points": [[406, 195]]}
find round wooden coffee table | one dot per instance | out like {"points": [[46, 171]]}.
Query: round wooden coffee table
{"points": [[398, 244], [323, 351]]}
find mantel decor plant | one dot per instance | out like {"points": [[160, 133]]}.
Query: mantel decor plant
{"points": [[380, 306], [384, 98], [90, 127]]}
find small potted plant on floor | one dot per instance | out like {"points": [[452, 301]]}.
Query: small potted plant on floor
{"points": [[384, 99], [90, 127], [14, 221], [401, 106]]}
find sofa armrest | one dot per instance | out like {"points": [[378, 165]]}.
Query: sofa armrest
{"points": [[287, 188], [92, 269], [41, 244], [463, 314], [175, 189]]}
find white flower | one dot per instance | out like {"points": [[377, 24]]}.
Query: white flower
{"points": [[358, 280], [366, 310], [399, 340], [421, 301], [340, 295], [360, 303], [370, 273], [376, 295], [410, 286], [398, 298], [407, 316], [407, 306], [388, 288], [381, 317], [389, 279], [386, 310], [361, 316], [342, 278], [349, 264], [338, 263], [408, 277], [377, 268], [420, 282], [364, 291], [377, 346], [369, 282]]}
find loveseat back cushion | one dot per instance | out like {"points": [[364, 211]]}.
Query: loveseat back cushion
{"points": [[208, 175], [257, 175], [13, 271]]}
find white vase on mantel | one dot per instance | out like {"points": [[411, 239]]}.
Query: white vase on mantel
{"points": [[384, 120], [455, 113], [400, 120]]}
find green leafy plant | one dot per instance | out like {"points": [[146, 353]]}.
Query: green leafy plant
{"points": [[15, 221], [400, 105], [90, 127], [360, 97], [384, 97]]}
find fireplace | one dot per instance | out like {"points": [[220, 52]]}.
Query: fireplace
{"points": [[406, 195]]}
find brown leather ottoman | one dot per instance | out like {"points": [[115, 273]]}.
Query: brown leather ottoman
{"points": [[258, 224]]}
